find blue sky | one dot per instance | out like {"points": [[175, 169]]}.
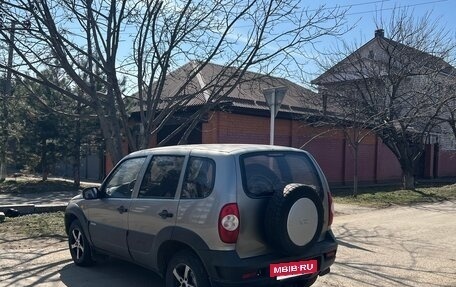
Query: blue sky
{"points": [[363, 14]]}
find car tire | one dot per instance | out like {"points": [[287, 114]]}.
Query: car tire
{"points": [[294, 219], [80, 249], [186, 269]]}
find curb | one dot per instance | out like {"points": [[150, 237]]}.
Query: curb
{"points": [[31, 208]]}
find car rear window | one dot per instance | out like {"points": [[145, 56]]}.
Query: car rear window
{"points": [[267, 172]]}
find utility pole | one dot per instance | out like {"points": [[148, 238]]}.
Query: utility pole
{"points": [[8, 93], [274, 98]]}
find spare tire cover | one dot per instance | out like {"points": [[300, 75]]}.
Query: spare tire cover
{"points": [[294, 219]]}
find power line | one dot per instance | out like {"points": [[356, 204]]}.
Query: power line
{"points": [[397, 7], [349, 5]]}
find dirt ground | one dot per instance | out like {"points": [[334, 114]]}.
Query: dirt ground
{"points": [[399, 246]]}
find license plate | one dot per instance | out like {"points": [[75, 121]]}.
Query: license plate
{"points": [[292, 269]]}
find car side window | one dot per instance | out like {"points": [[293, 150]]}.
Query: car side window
{"points": [[199, 178], [122, 181], [162, 177]]}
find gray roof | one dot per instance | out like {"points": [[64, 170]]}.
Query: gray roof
{"points": [[247, 93]]}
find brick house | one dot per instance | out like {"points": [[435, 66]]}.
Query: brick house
{"points": [[399, 81], [243, 117]]}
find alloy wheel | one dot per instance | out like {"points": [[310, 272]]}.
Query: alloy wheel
{"points": [[184, 276], [76, 244]]}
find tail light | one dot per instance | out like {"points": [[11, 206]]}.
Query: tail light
{"points": [[331, 209], [228, 223]]}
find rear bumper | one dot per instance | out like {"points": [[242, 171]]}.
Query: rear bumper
{"points": [[225, 268]]}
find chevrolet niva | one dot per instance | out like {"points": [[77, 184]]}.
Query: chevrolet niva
{"points": [[210, 215]]}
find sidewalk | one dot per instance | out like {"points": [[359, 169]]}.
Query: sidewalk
{"points": [[36, 202], [349, 209], [52, 197], [58, 200]]}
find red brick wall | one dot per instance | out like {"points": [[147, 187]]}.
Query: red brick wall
{"points": [[376, 162], [329, 148], [388, 167], [366, 163], [329, 154], [446, 163], [235, 128]]}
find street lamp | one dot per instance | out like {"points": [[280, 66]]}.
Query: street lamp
{"points": [[274, 98]]}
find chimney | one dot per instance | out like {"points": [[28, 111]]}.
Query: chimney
{"points": [[380, 33]]}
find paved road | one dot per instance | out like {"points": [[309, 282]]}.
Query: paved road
{"points": [[407, 246], [401, 246]]}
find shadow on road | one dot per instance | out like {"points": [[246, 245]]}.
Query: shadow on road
{"points": [[111, 272], [383, 254], [24, 261]]}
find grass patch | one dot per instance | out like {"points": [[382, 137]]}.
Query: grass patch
{"points": [[32, 185], [35, 225], [387, 196]]}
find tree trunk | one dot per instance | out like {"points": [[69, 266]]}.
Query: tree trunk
{"points": [[408, 166], [3, 144], [113, 138], [4, 140], [44, 165], [77, 150], [355, 173], [408, 180], [2, 171]]}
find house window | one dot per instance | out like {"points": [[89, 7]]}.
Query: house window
{"points": [[371, 54]]}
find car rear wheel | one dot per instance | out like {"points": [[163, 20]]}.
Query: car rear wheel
{"points": [[186, 270], [80, 249], [294, 219]]}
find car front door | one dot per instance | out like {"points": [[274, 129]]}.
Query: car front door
{"points": [[108, 215], [153, 212]]}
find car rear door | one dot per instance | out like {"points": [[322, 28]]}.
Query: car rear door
{"points": [[153, 211], [263, 174]]}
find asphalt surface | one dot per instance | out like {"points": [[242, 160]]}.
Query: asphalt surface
{"points": [[397, 246]]}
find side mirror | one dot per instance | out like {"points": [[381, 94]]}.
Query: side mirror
{"points": [[90, 193]]}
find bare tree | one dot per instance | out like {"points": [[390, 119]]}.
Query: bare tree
{"points": [[348, 116], [137, 44], [399, 82], [448, 115]]}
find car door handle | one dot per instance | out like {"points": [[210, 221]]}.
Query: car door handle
{"points": [[122, 209], [165, 214]]}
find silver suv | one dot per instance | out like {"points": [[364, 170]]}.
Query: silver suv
{"points": [[210, 215]]}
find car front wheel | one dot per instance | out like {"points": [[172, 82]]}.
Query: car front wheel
{"points": [[186, 270], [80, 250]]}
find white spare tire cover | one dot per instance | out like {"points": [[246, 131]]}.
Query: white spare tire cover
{"points": [[294, 219]]}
